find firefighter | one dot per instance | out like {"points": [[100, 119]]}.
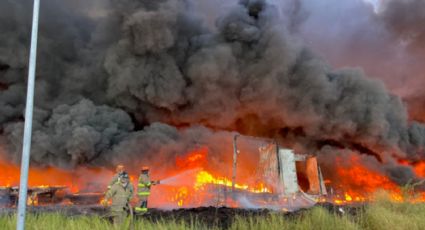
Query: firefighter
{"points": [[119, 172], [120, 193], [143, 190]]}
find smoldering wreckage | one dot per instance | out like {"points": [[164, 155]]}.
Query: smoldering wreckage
{"points": [[239, 115]]}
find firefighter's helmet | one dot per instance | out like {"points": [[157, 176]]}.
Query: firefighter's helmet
{"points": [[145, 169], [120, 168]]}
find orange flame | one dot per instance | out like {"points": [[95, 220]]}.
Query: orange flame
{"points": [[419, 169], [49, 176], [360, 183], [356, 182], [203, 178]]}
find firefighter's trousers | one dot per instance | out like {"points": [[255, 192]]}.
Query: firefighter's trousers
{"points": [[142, 207]]}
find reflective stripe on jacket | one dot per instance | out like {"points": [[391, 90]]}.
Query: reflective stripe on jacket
{"points": [[144, 185]]}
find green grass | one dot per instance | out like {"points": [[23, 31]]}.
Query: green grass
{"points": [[381, 214], [384, 214], [58, 221], [316, 218], [394, 216]]}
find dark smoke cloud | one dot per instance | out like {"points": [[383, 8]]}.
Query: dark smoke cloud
{"points": [[107, 76], [387, 42], [404, 19], [159, 144], [66, 53], [73, 134]]}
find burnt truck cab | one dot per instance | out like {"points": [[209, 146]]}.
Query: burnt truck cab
{"points": [[39, 195]]}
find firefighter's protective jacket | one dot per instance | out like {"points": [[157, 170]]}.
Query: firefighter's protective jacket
{"points": [[114, 180], [144, 186], [120, 196]]}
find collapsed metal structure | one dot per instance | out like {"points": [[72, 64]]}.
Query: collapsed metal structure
{"points": [[293, 176], [36, 195]]}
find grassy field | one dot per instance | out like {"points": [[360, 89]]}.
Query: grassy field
{"points": [[382, 214]]}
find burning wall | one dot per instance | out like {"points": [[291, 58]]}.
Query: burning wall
{"points": [[138, 82]]}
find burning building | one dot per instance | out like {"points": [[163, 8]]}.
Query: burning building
{"points": [[148, 82]]}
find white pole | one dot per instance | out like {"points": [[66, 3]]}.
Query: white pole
{"points": [[26, 147]]}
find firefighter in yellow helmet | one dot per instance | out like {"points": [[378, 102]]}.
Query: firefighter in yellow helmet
{"points": [[120, 194], [119, 173], [143, 190]]}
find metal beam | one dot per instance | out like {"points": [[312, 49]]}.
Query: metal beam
{"points": [[26, 146], [235, 161]]}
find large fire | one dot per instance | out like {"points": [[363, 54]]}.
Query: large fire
{"points": [[38, 177], [194, 185], [360, 183], [191, 183]]}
